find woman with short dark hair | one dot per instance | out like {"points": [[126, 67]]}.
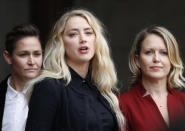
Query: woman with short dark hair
{"points": [[23, 53]]}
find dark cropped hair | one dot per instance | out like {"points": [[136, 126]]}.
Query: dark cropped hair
{"points": [[19, 32]]}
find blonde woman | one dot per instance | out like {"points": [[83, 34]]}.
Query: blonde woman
{"points": [[74, 91], [152, 104]]}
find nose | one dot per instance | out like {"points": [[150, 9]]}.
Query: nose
{"points": [[156, 58], [82, 38], [30, 60]]}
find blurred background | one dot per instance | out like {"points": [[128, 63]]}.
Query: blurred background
{"points": [[123, 19]]}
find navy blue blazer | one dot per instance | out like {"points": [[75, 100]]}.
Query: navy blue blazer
{"points": [[56, 107], [3, 90]]}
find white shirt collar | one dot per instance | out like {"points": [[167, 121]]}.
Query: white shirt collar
{"points": [[15, 109], [12, 93]]}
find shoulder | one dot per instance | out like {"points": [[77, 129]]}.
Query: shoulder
{"points": [[4, 82], [3, 91], [178, 94], [129, 95], [48, 89], [49, 85], [128, 99], [176, 97], [50, 82]]}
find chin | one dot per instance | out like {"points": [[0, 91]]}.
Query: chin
{"points": [[87, 57], [31, 76], [158, 77], [85, 60]]}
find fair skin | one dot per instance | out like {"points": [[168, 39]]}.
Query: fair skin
{"points": [[155, 66], [25, 61], [79, 41]]}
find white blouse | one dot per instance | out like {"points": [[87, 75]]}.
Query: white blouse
{"points": [[15, 110]]}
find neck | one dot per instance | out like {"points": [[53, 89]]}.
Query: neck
{"points": [[155, 87], [81, 69], [17, 83]]}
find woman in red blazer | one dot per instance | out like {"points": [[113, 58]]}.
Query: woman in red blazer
{"points": [[153, 104]]}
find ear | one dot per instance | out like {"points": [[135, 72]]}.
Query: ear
{"points": [[137, 61], [7, 57]]}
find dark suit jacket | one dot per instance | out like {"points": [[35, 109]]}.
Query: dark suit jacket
{"points": [[55, 107], [3, 89]]}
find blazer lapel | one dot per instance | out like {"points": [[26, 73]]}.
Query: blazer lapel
{"points": [[3, 89]]}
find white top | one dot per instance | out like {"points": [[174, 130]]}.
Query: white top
{"points": [[15, 110]]}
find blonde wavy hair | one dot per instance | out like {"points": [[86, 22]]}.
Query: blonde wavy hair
{"points": [[102, 68], [175, 77]]}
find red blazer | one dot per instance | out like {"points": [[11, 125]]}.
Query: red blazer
{"points": [[142, 114]]}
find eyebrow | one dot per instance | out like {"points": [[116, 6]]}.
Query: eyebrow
{"points": [[147, 48], [75, 29], [88, 28], [29, 50]]}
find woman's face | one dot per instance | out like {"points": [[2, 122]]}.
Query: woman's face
{"points": [[79, 41], [26, 58], [153, 59]]}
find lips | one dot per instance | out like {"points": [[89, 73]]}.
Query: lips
{"points": [[83, 49], [31, 69], [156, 67]]}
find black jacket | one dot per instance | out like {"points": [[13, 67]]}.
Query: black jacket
{"points": [[57, 107], [3, 90]]}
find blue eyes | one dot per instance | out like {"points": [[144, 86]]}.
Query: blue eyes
{"points": [[72, 35], [22, 55], [88, 33], [150, 52], [25, 54], [37, 54], [164, 53]]}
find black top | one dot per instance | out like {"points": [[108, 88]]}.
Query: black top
{"points": [[76, 107], [3, 90]]}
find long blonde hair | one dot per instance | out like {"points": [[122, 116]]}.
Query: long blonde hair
{"points": [[102, 67], [175, 77]]}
